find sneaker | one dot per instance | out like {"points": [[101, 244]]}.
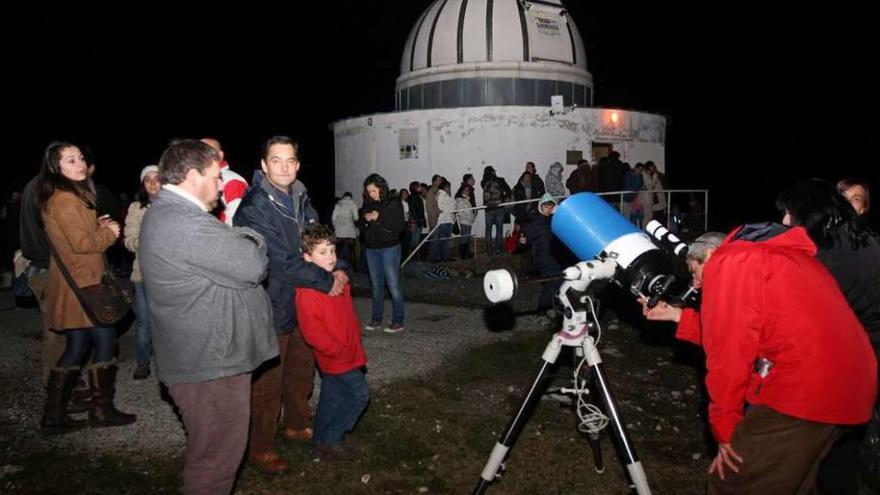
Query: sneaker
{"points": [[394, 328], [374, 325]]}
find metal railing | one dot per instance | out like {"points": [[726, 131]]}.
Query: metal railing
{"points": [[428, 237]]}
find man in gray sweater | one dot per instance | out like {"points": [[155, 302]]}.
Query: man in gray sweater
{"points": [[212, 318]]}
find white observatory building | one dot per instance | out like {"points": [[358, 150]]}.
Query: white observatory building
{"points": [[491, 82]]}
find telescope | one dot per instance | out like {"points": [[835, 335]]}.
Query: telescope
{"points": [[613, 249], [594, 231]]}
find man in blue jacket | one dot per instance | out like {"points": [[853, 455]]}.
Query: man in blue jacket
{"points": [[278, 207]]}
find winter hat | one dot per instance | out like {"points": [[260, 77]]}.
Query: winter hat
{"points": [[547, 198], [148, 169]]}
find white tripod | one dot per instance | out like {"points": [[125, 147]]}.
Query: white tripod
{"points": [[500, 286]]}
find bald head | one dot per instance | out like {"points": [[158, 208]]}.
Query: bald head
{"points": [[214, 144]]}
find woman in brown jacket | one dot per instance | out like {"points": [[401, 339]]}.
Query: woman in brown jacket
{"points": [[79, 238]]}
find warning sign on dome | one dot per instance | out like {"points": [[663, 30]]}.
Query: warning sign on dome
{"points": [[548, 26]]}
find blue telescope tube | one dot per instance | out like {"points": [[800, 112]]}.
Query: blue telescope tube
{"points": [[587, 224]]}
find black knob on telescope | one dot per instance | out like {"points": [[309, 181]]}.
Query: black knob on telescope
{"points": [[664, 289]]}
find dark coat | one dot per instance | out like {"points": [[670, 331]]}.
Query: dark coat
{"points": [[857, 272], [262, 211], [384, 232], [580, 180], [519, 194]]}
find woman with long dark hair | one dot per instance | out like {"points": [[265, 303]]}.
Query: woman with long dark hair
{"points": [[149, 189], [464, 198], [445, 205], [857, 193], [79, 238], [382, 222], [851, 252]]}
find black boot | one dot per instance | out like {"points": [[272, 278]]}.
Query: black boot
{"points": [[55, 418], [102, 380]]}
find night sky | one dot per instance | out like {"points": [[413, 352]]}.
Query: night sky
{"points": [[754, 99]]}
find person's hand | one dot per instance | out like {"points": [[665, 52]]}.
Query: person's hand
{"points": [[339, 281], [661, 312], [726, 455], [371, 216], [113, 225]]}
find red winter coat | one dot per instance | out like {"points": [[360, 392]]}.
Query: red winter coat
{"points": [[774, 299], [331, 327]]}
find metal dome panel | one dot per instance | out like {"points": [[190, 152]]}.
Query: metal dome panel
{"points": [[461, 31]]}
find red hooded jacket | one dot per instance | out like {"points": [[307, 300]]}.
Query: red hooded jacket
{"points": [[331, 327], [770, 297]]}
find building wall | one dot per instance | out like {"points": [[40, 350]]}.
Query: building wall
{"points": [[414, 145]]}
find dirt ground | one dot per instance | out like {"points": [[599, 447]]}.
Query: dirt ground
{"points": [[433, 433]]}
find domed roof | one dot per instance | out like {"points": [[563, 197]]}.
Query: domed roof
{"points": [[477, 32]]}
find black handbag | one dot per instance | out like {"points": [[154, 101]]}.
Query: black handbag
{"points": [[104, 303]]}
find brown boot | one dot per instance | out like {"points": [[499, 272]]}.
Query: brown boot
{"points": [[58, 390], [304, 434], [102, 380], [269, 463], [81, 397]]}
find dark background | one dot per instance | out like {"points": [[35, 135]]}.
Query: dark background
{"points": [[755, 99]]}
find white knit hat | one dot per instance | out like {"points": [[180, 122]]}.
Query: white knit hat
{"points": [[147, 170]]}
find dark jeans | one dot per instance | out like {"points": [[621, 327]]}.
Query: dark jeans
{"points": [[343, 399], [143, 347], [440, 243], [548, 292], [415, 237], [495, 217], [345, 251], [79, 341], [384, 265], [464, 241]]}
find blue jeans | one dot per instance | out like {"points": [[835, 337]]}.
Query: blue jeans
{"points": [[384, 266], [143, 342], [343, 399], [102, 339], [465, 236], [440, 248], [495, 217]]}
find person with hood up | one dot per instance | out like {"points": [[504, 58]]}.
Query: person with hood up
{"points": [[553, 181], [546, 260]]}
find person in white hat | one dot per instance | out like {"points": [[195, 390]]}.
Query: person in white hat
{"points": [[149, 188]]}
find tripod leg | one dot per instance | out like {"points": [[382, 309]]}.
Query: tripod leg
{"points": [[596, 446], [593, 438], [633, 465], [514, 428]]}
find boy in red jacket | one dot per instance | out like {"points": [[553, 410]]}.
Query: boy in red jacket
{"points": [[331, 327]]}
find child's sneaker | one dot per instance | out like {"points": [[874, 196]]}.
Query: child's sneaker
{"points": [[394, 328], [373, 325], [333, 452]]}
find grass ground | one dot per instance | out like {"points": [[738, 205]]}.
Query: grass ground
{"points": [[434, 434]]}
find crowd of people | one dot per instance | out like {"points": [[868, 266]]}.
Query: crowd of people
{"points": [[240, 294]]}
